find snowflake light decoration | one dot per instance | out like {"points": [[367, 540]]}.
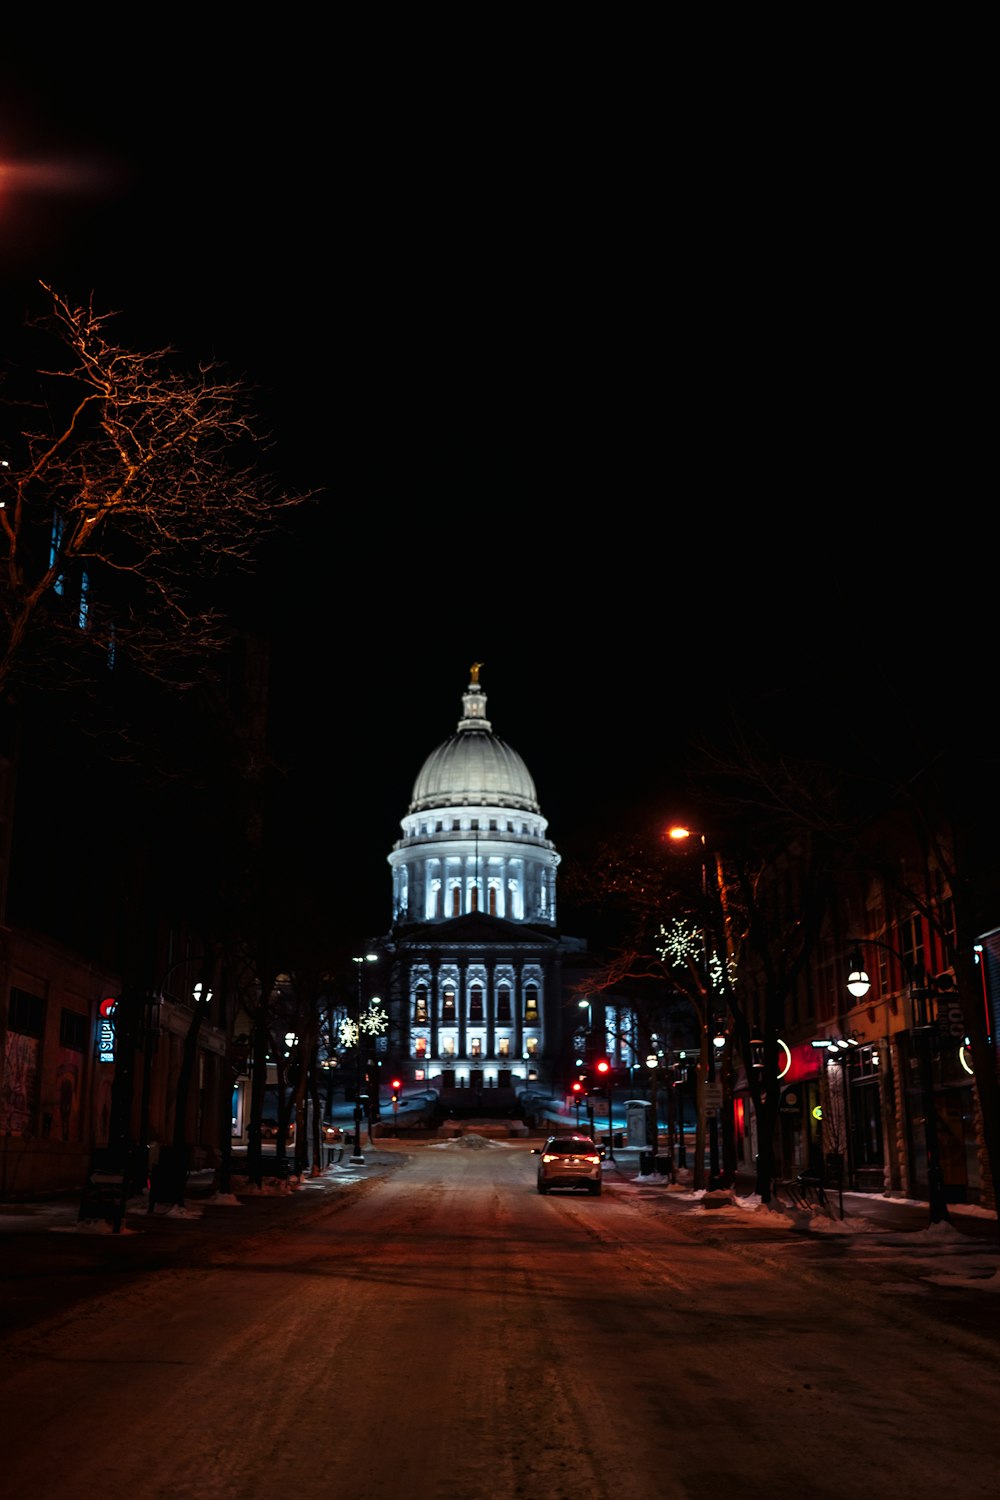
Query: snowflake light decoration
{"points": [[374, 1021], [682, 944], [348, 1033]]}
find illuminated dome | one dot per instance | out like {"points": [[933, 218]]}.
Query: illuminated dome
{"points": [[474, 839], [474, 767]]}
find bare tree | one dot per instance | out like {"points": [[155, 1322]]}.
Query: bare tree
{"points": [[133, 484]]}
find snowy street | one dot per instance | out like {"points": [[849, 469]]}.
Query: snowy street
{"points": [[448, 1331]]}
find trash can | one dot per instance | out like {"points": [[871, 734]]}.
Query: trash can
{"points": [[664, 1165], [645, 1163]]}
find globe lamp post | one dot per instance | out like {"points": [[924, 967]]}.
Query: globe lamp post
{"points": [[357, 1156], [922, 991]]}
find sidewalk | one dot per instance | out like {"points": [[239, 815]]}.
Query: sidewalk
{"points": [[61, 1211], [867, 1210]]}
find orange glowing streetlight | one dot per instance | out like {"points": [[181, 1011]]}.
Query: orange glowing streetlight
{"points": [[679, 831]]}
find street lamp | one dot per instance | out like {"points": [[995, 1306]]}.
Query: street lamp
{"points": [[653, 1137], [357, 1156], [837, 1049], [201, 995], [922, 990], [678, 833], [680, 1069]]}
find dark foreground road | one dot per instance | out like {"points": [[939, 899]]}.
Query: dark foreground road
{"points": [[443, 1331]]}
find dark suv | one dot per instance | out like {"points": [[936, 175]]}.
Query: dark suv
{"points": [[569, 1161]]}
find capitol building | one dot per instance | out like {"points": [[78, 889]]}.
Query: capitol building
{"points": [[475, 995]]}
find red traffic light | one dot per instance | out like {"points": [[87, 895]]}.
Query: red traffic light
{"points": [[397, 1084], [577, 1087], [604, 1066]]}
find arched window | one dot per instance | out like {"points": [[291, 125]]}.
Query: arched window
{"points": [[475, 1003], [456, 901], [531, 1005], [420, 1007], [503, 1006]]}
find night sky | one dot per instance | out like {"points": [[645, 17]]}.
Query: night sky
{"points": [[576, 403]]}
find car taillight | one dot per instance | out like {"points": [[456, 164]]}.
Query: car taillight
{"points": [[546, 1157]]}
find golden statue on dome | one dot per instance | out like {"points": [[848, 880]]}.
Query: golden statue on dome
{"points": [[476, 665]]}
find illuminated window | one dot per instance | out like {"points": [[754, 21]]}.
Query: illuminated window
{"points": [[55, 541], [448, 1006], [420, 1047], [420, 1008], [503, 1046], [493, 900], [456, 901], [531, 1004], [532, 1046], [477, 1047]]}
